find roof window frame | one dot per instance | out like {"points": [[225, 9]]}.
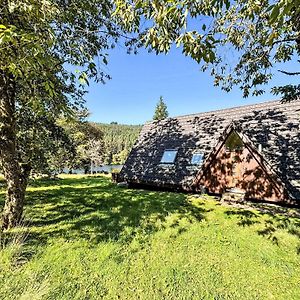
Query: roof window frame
{"points": [[202, 160], [167, 162]]}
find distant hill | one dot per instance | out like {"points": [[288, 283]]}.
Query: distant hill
{"points": [[118, 140]]}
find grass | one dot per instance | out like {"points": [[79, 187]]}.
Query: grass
{"points": [[89, 239]]}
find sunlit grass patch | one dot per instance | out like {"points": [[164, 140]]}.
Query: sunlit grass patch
{"points": [[89, 239]]}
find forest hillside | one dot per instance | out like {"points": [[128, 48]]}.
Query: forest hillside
{"points": [[118, 140]]}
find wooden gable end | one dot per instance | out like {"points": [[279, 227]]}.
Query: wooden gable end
{"points": [[240, 168]]}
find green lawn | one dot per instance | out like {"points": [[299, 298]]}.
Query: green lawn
{"points": [[88, 239]]}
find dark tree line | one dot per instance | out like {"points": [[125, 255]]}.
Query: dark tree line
{"points": [[118, 140], [47, 146]]}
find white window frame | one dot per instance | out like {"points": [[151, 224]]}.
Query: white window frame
{"points": [[169, 161], [201, 162]]}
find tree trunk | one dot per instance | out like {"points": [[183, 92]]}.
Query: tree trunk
{"points": [[15, 177]]}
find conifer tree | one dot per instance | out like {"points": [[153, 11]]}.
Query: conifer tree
{"points": [[161, 111]]}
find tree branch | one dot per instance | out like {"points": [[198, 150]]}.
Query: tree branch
{"points": [[291, 39], [289, 73]]}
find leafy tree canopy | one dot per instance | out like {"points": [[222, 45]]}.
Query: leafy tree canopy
{"points": [[40, 41], [239, 41], [42, 144]]}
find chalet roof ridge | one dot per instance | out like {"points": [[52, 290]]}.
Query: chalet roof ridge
{"points": [[233, 108], [250, 107]]}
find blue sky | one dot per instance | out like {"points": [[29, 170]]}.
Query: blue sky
{"points": [[139, 80]]}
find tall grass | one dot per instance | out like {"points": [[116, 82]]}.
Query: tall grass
{"points": [[11, 248]]}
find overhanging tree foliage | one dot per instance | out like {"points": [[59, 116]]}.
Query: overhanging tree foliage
{"points": [[239, 41], [39, 40]]}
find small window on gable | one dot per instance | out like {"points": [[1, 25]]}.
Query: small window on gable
{"points": [[168, 157], [197, 159], [234, 142]]}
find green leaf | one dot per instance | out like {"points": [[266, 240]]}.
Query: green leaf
{"points": [[270, 8], [274, 14], [227, 4]]}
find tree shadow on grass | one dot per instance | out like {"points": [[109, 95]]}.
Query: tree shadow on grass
{"points": [[58, 181], [271, 218], [246, 217], [97, 210]]}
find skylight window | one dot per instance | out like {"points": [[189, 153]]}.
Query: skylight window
{"points": [[168, 157], [197, 159]]}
